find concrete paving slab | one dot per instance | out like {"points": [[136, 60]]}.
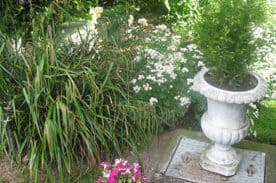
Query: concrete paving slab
{"points": [[184, 164], [156, 157]]}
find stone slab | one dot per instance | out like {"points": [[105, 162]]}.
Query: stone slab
{"points": [[184, 164], [155, 157]]}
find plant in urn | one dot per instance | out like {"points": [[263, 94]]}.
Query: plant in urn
{"points": [[224, 34]]}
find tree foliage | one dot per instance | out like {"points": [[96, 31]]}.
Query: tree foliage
{"points": [[17, 17]]}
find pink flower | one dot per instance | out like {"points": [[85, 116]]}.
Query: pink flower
{"points": [[105, 165], [114, 173], [111, 179], [126, 171], [106, 173], [137, 168], [134, 178], [100, 179], [120, 161], [121, 170]]}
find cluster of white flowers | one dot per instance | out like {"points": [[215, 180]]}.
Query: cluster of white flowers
{"points": [[162, 29], [164, 64], [183, 100]]}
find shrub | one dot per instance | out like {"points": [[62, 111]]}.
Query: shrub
{"points": [[262, 118], [224, 34], [18, 17], [182, 13], [65, 101], [267, 52], [163, 72], [261, 114]]}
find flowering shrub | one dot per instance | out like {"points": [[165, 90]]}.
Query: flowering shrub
{"points": [[267, 55], [261, 114], [121, 172], [164, 68]]}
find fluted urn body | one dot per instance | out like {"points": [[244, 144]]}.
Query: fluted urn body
{"points": [[225, 122]]}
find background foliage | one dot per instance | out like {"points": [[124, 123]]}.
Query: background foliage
{"points": [[19, 16]]}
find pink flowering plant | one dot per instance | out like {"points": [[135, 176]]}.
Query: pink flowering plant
{"points": [[121, 172]]}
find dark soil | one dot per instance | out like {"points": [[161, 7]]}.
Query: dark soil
{"points": [[248, 83]]}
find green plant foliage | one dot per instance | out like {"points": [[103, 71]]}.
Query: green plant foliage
{"points": [[264, 118], [224, 34], [181, 13], [163, 69], [62, 102], [18, 16]]}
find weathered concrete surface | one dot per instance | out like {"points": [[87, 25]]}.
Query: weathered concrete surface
{"points": [[156, 157], [186, 159]]}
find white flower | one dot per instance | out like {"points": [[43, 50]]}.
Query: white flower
{"points": [[147, 40], [161, 27], [190, 81], [143, 21], [130, 20], [133, 81], [137, 58], [184, 101], [172, 48], [129, 31], [259, 32], [200, 64], [184, 69], [191, 47], [136, 88], [147, 87], [153, 100], [140, 77], [163, 39], [183, 50]]}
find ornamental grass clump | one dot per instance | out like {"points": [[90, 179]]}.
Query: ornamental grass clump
{"points": [[224, 34], [66, 99]]}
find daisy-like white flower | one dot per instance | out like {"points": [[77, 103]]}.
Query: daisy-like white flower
{"points": [[143, 22], [136, 88], [153, 100], [130, 20], [190, 81], [200, 64], [184, 69]]}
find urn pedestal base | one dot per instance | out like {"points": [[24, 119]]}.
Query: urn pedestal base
{"points": [[183, 163], [222, 169]]}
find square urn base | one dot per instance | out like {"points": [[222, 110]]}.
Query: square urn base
{"points": [[189, 154]]}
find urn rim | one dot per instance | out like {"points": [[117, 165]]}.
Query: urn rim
{"points": [[238, 97]]}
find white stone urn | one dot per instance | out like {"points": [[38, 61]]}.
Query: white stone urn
{"points": [[225, 122]]}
